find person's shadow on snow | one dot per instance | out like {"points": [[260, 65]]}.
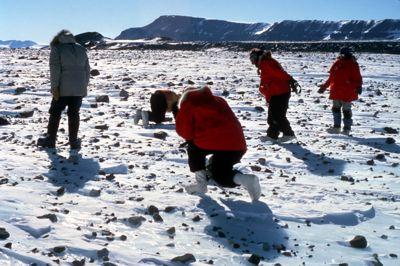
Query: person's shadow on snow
{"points": [[378, 143], [316, 163], [71, 175], [244, 227]]}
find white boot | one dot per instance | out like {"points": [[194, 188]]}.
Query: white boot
{"points": [[251, 183], [145, 118], [201, 183], [138, 116]]}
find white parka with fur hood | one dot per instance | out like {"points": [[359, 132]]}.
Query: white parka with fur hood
{"points": [[69, 66]]}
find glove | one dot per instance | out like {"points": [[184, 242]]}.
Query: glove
{"points": [[322, 89], [56, 94], [359, 91], [294, 86]]}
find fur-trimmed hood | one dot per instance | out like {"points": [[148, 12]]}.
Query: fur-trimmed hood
{"points": [[64, 36]]}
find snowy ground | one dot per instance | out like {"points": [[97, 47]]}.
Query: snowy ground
{"points": [[98, 210]]}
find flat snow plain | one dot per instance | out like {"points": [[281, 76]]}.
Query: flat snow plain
{"points": [[318, 192]]}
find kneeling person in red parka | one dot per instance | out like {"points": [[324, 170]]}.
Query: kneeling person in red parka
{"points": [[345, 83], [209, 126]]}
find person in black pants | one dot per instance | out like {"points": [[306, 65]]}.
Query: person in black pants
{"points": [[277, 120], [220, 163], [276, 85], [69, 78]]}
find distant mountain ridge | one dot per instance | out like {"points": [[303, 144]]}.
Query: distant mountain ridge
{"points": [[16, 44], [184, 28]]}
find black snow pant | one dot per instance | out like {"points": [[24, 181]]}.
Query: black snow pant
{"points": [[57, 107], [220, 164], [159, 106], [277, 120]]}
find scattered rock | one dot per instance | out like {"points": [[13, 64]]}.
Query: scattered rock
{"points": [[60, 191], [225, 93], [171, 230], [197, 218], [51, 216], [102, 99], [370, 162], [26, 114], [3, 121], [59, 249], [94, 72], [157, 218], [8, 245], [391, 130], [190, 82], [187, 258], [358, 242], [347, 178], [169, 209], [101, 127], [390, 140], [94, 192], [160, 135], [78, 262], [19, 90], [262, 161], [103, 253], [255, 168], [259, 109], [136, 220], [152, 210], [380, 157], [124, 94], [254, 259], [4, 234]]}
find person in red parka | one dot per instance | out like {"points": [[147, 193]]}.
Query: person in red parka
{"points": [[275, 85], [345, 83], [210, 127]]}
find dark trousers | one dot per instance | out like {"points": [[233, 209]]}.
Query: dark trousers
{"points": [[159, 106], [277, 120], [57, 107], [220, 164]]}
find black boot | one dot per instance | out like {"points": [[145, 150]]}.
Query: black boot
{"points": [[73, 128], [75, 144], [50, 140], [46, 142]]}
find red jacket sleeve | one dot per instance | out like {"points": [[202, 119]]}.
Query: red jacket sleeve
{"points": [[356, 76], [184, 122]]}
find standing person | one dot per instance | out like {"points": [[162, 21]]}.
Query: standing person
{"points": [[345, 83], [210, 127], [69, 78], [276, 86], [161, 101]]}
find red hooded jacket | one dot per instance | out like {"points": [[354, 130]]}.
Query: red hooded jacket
{"points": [[274, 79], [344, 80], [209, 122]]}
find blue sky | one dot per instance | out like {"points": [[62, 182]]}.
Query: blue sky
{"points": [[39, 20]]}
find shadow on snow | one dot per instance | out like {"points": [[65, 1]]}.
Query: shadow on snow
{"points": [[318, 164], [244, 227], [71, 175]]}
